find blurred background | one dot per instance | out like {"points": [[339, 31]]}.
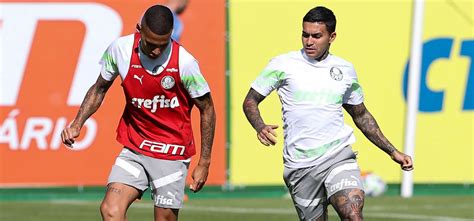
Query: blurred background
{"points": [[49, 58]]}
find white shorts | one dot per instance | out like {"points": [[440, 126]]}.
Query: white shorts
{"points": [[311, 187], [165, 177]]}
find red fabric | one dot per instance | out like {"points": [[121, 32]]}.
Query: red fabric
{"points": [[157, 120]]}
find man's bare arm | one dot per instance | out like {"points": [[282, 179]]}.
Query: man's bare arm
{"points": [[369, 127], [364, 120], [265, 133], [91, 103], [251, 110], [208, 125]]}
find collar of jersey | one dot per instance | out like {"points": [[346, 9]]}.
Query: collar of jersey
{"points": [[313, 61], [162, 61]]}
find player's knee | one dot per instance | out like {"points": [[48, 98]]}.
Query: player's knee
{"points": [[352, 216], [108, 210], [166, 214], [349, 204]]}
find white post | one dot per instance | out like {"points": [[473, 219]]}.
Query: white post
{"points": [[413, 92]]}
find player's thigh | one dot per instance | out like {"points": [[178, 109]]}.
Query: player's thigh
{"points": [[127, 181], [348, 203], [167, 180], [119, 196], [166, 214], [129, 169], [307, 191], [345, 189]]}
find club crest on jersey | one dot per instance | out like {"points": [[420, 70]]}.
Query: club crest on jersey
{"points": [[167, 82], [336, 73]]}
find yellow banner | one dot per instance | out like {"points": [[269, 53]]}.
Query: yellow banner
{"points": [[375, 37]]}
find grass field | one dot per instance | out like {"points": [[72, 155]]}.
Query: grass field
{"points": [[387, 208]]}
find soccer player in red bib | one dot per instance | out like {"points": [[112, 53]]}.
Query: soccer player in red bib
{"points": [[161, 82]]}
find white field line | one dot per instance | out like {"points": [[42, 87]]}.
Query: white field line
{"points": [[281, 211]]}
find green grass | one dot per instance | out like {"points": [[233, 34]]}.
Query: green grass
{"points": [[387, 208]]}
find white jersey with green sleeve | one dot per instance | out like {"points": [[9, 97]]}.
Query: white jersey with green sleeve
{"points": [[116, 61], [311, 94]]}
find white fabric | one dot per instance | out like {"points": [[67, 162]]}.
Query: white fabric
{"points": [[171, 178], [306, 202], [311, 94], [116, 61], [127, 167], [343, 167]]}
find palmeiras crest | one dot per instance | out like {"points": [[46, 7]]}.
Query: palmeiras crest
{"points": [[336, 73], [167, 82]]}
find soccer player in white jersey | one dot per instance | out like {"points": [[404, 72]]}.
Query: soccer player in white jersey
{"points": [[161, 82], [314, 86]]}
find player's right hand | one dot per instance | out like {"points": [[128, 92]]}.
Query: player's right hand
{"points": [[69, 135], [267, 135]]}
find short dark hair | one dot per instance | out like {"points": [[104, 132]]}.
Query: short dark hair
{"points": [[159, 19], [322, 14]]}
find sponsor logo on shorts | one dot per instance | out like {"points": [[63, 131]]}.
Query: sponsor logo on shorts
{"points": [[158, 101], [158, 147], [342, 184], [161, 200]]}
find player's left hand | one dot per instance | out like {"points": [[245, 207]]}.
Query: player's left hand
{"points": [[404, 160], [199, 176]]}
